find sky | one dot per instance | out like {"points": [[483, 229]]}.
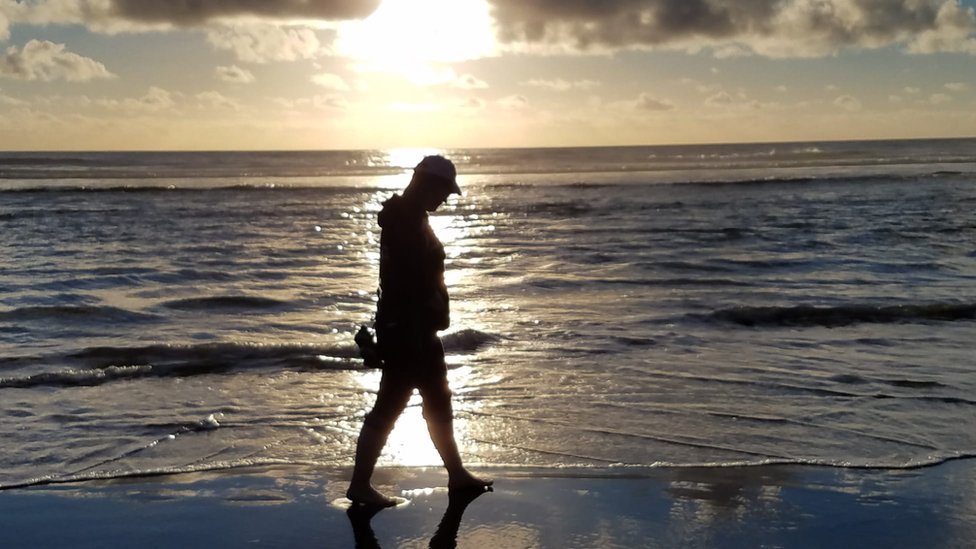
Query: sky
{"points": [[355, 74]]}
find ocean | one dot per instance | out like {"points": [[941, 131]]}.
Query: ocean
{"points": [[613, 308]]}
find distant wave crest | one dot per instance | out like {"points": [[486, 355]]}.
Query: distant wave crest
{"points": [[830, 317], [225, 302], [69, 312]]}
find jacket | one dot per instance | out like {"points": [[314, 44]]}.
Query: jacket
{"points": [[412, 296]]}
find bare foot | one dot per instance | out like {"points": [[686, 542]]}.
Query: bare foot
{"points": [[463, 480], [367, 495]]}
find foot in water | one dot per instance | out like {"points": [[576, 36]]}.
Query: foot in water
{"points": [[463, 480], [367, 495]]}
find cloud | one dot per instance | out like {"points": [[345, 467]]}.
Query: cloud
{"points": [[330, 102], [234, 74], [216, 100], [911, 90], [47, 61], [561, 85], [113, 16], [473, 104], [647, 102], [321, 102], [154, 101], [469, 82], [330, 81], [783, 28], [720, 99], [953, 32], [190, 13], [513, 102], [957, 86], [263, 43], [939, 98], [848, 103]]}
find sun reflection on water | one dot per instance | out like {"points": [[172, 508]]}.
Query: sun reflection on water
{"points": [[409, 445]]}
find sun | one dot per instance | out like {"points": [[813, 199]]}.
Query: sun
{"points": [[417, 38]]}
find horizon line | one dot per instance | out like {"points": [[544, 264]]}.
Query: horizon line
{"points": [[546, 147]]}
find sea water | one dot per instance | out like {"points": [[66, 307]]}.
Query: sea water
{"points": [[612, 308]]}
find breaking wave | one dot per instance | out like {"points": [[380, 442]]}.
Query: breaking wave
{"points": [[99, 365]]}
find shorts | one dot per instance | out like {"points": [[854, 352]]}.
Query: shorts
{"points": [[411, 363]]}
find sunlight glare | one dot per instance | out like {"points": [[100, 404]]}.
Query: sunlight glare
{"points": [[411, 37], [408, 157]]}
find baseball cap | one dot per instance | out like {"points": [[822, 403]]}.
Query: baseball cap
{"points": [[438, 166]]}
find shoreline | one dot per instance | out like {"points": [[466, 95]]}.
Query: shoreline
{"points": [[303, 506]]}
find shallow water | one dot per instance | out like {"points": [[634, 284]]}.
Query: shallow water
{"points": [[671, 306]]}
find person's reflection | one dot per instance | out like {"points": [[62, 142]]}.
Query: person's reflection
{"points": [[444, 538]]}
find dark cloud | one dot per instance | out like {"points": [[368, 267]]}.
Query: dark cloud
{"points": [[193, 12], [784, 27]]}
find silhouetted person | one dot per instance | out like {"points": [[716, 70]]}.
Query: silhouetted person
{"points": [[413, 306]]}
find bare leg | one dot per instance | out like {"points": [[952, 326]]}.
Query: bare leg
{"points": [[391, 399], [440, 423], [368, 449]]}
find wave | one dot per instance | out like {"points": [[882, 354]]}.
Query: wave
{"points": [[226, 302], [85, 313], [832, 317], [197, 183], [467, 340], [99, 365], [605, 470]]}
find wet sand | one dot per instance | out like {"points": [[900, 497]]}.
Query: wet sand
{"points": [[770, 506]]}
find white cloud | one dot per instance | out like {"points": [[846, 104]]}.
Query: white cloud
{"points": [[513, 102], [263, 43], [322, 102], [953, 31], [894, 99], [848, 103], [957, 86], [720, 99], [939, 98], [560, 84], [330, 81], [469, 82], [47, 61], [911, 90], [216, 100], [234, 74], [647, 102], [154, 101], [781, 89]]}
